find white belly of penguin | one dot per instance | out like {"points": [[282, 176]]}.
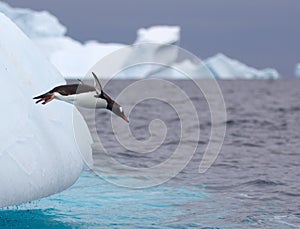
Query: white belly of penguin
{"points": [[86, 100]]}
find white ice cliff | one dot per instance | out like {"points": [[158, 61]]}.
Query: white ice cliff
{"points": [[41, 151]]}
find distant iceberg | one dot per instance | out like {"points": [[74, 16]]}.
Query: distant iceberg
{"points": [[223, 67], [74, 59], [297, 70], [218, 66], [39, 153], [152, 45]]}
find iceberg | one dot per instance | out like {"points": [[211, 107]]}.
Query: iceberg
{"points": [[157, 44], [159, 35], [297, 70], [40, 154], [69, 56], [73, 59], [223, 67], [34, 24], [218, 66]]}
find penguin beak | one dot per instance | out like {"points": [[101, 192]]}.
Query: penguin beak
{"points": [[124, 117]]}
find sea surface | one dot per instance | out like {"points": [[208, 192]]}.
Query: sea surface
{"points": [[254, 183]]}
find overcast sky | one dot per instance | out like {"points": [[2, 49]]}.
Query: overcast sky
{"points": [[260, 33]]}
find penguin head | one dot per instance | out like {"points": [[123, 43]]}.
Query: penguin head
{"points": [[118, 110]]}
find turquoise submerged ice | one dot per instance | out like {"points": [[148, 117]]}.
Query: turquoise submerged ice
{"points": [[94, 203]]}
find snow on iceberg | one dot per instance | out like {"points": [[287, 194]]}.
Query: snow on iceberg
{"points": [[297, 70], [39, 154]]}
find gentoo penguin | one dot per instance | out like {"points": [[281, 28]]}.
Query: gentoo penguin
{"points": [[83, 95]]}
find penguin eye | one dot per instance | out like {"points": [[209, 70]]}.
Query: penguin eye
{"points": [[121, 109]]}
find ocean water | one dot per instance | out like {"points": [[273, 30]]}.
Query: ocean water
{"points": [[254, 183]]}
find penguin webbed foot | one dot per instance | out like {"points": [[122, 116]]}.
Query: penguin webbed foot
{"points": [[38, 101], [45, 99]]}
